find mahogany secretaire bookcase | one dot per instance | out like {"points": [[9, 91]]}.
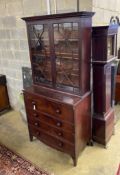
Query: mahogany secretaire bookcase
{"points": [[58, 104], [104, 53]]}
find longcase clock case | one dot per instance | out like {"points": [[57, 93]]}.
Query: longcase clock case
{"points": [[104, 54], [58, 105]]}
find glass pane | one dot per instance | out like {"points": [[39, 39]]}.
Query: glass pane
{"points": [[111, 46], [66, 51], [40, 50]]}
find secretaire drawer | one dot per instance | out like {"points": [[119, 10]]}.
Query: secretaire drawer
{"points": [[41, 118], [61, 111]]}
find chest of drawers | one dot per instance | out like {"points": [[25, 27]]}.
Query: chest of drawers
{"points": [[62, 122]]}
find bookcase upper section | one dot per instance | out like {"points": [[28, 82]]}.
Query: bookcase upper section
{"points": [[60, 50]]}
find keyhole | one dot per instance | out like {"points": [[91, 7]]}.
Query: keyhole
{"points": [[34, 107]]}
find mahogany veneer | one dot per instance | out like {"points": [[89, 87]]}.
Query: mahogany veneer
{"points": [[104, 52], [117, 91], [103, 127], [60, 122], [102, 88], [58, 105], [4, 100]]}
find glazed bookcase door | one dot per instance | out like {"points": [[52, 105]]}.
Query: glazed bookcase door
{"points": [[66, 56], [40, 53]]}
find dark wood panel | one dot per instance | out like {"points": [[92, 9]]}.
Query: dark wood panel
{"points": [[51, 141], [85, 54], [83, 123], [99, 48], [53, 95], [4, 101], [56, 16], [59, 133], [51, 121], [104, 42], [103, 127], [117, 91], [102, 88], [56, 109]]}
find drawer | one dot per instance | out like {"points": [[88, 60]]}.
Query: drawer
{"points": [[58, 110], [36, 119], [52, 141], [60, 133]]}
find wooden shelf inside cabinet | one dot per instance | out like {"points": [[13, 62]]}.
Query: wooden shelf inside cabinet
{"points": [[62, 56], [60, 53]]}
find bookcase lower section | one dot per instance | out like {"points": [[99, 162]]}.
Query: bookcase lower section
{"points": [[103, 127], [63, 125]]}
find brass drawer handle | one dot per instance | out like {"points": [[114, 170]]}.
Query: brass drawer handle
{"points": [[59, 124], [58, 111], [33, 103], [60, 134], [60, 144], [35, 115], [37, 133], [36, 124]]}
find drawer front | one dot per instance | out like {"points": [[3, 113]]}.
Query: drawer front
{"points": [[52, 141], [59, 133], [37, 118], [61, 111]]}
